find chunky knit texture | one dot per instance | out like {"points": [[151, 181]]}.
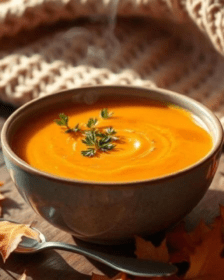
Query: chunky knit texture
{"points": [[176, 44]]}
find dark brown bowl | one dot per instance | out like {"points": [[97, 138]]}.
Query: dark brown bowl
{"points": [[112, 212]]}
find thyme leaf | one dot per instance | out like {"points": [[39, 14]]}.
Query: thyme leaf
{"points": [[90, 139], [105, 114], [107, 147], [91, 123], [96, 139], [76, 128], [90, 152], [62, 121], [110, 131]]}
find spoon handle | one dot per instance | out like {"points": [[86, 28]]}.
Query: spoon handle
{"points": [[132, 266]]}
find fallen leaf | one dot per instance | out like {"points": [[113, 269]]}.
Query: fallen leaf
{"points": [[206, 261], [10, 236], [202, 249], [199, 233], [23, 277], [146, 250], [180, 244]]}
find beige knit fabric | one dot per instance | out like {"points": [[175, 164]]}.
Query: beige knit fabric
{"points": [[176, 44]]}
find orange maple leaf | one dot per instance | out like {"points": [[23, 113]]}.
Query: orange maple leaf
{"points": [[199, 233], [180, 243], [202, 248], [146, 250], [11, 235], [206, 261]]}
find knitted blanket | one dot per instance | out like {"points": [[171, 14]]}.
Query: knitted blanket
{"points": [[52, 45]]}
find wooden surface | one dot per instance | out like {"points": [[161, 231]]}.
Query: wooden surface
{"points": [[63, 265]]}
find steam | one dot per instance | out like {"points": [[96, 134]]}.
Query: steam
{"points": [[110, 35], [109, 46], [112, 15]]}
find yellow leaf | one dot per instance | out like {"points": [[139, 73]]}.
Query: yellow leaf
{"points": [[11, 235]]}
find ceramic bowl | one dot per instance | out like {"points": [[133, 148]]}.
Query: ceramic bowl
{"points": [[109, 213]]}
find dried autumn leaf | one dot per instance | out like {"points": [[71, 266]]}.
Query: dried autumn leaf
{"points": [[203, 248], [146, 250], [206, 261], [23, 277], [189, 241], [11, 235], [180, 244], [199, 233]]}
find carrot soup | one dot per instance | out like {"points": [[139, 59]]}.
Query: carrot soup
{"points": [[117, 141]]}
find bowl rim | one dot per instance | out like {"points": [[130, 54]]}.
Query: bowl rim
{"points": [[28, 168]]}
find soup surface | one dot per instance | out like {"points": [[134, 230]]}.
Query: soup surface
{"points": [[155, 139]]}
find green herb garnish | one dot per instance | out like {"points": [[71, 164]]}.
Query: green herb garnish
{"points": [[96, 139], [75, 129], [105, 114], [89, 153], [105, 144], [63, 120], [110, 131], [92, 122], [90, 139]]}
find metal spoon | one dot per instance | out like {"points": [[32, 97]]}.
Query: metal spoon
{"points": [[132, 266]]}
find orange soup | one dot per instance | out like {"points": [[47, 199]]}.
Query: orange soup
{"points": [[153, 139]]}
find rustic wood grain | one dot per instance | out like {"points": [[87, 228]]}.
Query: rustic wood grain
{"points": [[54, 265]]}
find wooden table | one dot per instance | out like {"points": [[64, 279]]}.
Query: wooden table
{"points": [[53, 265]]}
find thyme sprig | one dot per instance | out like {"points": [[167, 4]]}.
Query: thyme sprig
{"points": [[95, 139], [90, 152], [63, 121], [105, 114], [92, 123]]}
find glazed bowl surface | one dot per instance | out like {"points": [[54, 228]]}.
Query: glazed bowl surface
{"points": [[107, 212]]}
